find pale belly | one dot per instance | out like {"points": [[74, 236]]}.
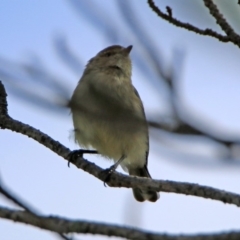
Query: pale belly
{"points": [[113, 139]]}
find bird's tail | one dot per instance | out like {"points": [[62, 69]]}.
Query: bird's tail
{"points": [[139, 194]]}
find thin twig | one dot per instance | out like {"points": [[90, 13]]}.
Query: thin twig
{"points": [[188, 26], [169, 11]]}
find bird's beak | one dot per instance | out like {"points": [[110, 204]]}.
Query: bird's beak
{"points": [[128, 49]]}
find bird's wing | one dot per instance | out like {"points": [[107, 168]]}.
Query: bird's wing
{"points": [[143, 112]]}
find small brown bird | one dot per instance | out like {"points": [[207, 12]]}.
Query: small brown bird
{"points": [[108, 115]]}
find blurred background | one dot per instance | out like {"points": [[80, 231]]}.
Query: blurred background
{"points": [[190, 90]]}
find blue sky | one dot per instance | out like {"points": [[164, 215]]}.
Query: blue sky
{"points": [[209, 91]]}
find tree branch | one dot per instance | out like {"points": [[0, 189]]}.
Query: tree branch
{"points": [[231, 35], [222, 22], [116, 179], [63, 225], [12, 197]]}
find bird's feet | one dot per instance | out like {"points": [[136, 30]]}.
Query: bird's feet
{"points": [[75, 154], [106, 174]]}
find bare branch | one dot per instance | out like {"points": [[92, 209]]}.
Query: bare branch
{"points": [[188, 26], [63, 225], [5, 192], [12, 197], [221, 21], [117, 179]]}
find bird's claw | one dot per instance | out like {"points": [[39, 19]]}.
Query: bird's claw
{"points": [[74, 155], [106, 174]]}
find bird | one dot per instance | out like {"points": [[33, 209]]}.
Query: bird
{"points": [[109, 118]]}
